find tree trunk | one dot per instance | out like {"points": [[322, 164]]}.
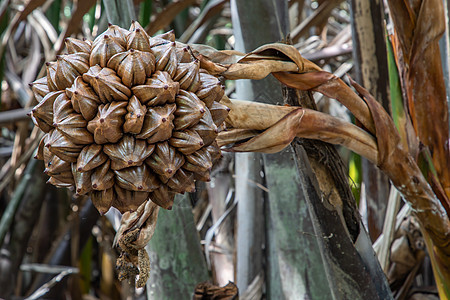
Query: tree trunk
{"points": [[369, 51], [177, 263]]}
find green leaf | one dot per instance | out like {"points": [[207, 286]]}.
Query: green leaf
{"points": [[53, 14], [145, 12]]}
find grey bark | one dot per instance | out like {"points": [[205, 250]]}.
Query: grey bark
{"points": [[254, 23], [369, 51], [177, 263]]}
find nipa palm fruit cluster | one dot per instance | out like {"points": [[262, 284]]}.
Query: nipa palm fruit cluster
{"points": [[128, 118]]}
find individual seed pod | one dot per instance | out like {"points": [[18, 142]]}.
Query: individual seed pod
{"points": [[186, 141], [127, 200], [219, 113], [214, 151], [135, 25], [115, 32], [165, 161], [40, 88], [210, 89], [51, 73], [42, 114], [90, 157], [41, 147], [70, 123], [104, 49], [103, 200], [82, 180], [138, 39], [198, 161], [158, 124], [133, 66], [162, 39], [128, 152], [166, 58], [157, 90], [183, 54], [188, 75], [182, 181], [69, 67], [106, 84], [64, 177], [107, 124], [137, 178], [63, 147], [206, 128], [46, 154], [134, 119], [84, 99], [163, 197], [189, 110], [102, 178], [54, 180], [56, 165], [77, 46], [203, 175]]}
